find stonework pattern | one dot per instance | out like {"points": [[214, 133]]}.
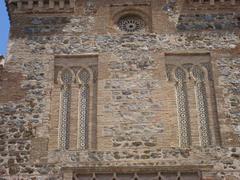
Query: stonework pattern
{"points": [[182, 108], [66, 78], [84, 109], [132, 112], [202, 105]]}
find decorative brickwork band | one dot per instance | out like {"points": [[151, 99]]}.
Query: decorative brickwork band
{"points": [[214, 2], [137, 175], [202, 105], [66, 79], [182, 108], [42, 5], [84, 77]]}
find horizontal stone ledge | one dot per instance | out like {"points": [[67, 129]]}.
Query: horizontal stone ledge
{"points": [[76, 55], [187, 53], [133, 169]]}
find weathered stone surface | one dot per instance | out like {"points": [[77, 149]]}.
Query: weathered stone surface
{"points": [[225, 21], [136, 106]]}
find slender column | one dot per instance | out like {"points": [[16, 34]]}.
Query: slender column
{"points": [[61, 4], [84, 77], [65, 110], [202, 105], [72, 2], [40, 3], [182, 108], [51, 4], [30, 4]]}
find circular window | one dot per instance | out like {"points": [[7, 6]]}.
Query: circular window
{"points": [[131, 23]]}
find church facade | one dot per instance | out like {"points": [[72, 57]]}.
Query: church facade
{"points": [[121, 90]]}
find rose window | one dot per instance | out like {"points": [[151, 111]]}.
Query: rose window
{"points": [[131, 23]]}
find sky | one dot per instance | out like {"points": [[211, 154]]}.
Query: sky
{"points": [[4, 28]]}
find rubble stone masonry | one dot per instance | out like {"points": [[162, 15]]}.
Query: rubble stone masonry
{"points": [[80, 95]]}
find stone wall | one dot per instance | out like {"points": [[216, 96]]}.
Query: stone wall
{"points": [[136, 109], [208, 21]]}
